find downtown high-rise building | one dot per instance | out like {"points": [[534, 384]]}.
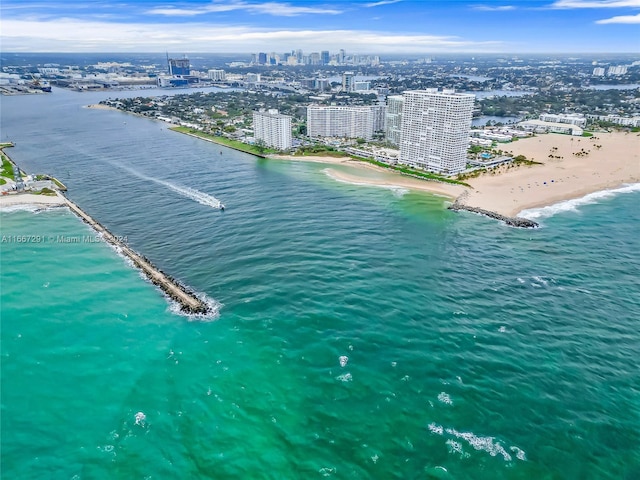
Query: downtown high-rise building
{"points": [[435, 130], [272, 128], [179, 66]]}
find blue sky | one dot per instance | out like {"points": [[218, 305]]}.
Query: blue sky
{"points": [[358, 26]]}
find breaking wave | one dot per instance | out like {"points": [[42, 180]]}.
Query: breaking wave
{"points": [[573, 204]]}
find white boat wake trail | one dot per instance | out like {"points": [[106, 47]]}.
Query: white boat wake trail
{"points": [[188, 192]]}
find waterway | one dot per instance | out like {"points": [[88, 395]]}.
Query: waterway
{"points": [[363, 332]]}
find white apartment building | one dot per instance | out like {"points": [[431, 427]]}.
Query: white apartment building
{"points": [[273, 128], [379, 117], [435, 130], [252, 77], [216, 75], [598, 72], [617, 70], [618, 120], [393, 120], [571, 118], [348, 79], [340, 121]]}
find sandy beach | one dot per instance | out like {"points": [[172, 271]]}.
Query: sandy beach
{"points": [[100, 106], [609, 160], [612, 160], [30, 199]]}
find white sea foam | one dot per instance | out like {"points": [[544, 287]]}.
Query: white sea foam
{"points": [[213, 309], [188, 192], [444, 397], [437, 429], [519, 453], [573, 204], [140, 418], [397, 190], [346, 377], [456, 447], [486, 444], [343, 360]]}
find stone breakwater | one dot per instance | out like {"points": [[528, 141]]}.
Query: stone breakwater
{"points": [[512, 221], [188, 301]]}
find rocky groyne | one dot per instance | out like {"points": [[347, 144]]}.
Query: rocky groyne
{"points": [[519, 222], [188, 301]]}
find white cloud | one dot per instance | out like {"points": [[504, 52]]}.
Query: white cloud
{"points": [[380, 3], [71, 35], [270, 8], [489, 8], [596, 3], [628, 19]]}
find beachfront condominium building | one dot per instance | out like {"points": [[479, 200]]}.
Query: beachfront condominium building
{"points": [[393, 121], [435, 130], [272, 128], [340, 121]]}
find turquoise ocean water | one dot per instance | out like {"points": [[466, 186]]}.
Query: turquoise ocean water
{"points": [[363, 332]]}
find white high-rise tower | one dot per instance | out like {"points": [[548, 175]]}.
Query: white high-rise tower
{"points": [[435, 130], [273, 129]]}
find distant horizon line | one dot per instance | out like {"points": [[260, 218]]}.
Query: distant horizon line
{"points": [[163, 52]]}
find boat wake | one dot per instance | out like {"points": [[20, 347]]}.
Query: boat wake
{"points": [[187, 192], [573, 204]]}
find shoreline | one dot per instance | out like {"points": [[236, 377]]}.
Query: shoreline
{"points": [[612, 161], [572, 168]]}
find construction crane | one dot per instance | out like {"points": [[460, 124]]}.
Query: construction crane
{"points": [[36, 83]]}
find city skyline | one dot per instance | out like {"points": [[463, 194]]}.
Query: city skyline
{"points": [[366, 27]]}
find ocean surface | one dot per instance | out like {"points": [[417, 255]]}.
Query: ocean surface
{"points": [[362, 332]]}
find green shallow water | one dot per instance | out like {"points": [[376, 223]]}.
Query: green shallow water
{"points": [[363, 332], [474, 369]]}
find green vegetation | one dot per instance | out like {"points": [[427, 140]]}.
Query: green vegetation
{"points": [[7, 168], [323, 150], [2, 181], [258, 150], [521, 159], [45, 191], [587, 134]]}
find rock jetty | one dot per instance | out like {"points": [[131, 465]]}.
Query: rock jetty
{"points": [[189, 302], [511, 221]]}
